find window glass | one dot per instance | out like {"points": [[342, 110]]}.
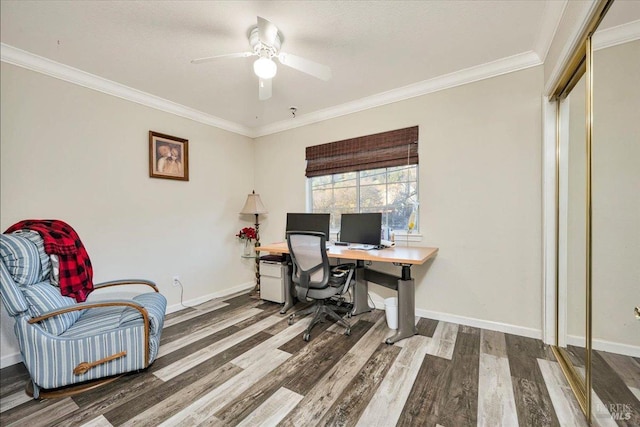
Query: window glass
{"points": [[392, 191]]}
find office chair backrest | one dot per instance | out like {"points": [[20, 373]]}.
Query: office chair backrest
{"points": [[308, 251]]}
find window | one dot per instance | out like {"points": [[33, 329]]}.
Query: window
{"points": [[372, 173], [392, 191]]}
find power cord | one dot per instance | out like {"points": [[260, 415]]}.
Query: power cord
{"points": [[373, 305], [181, 293], [342, 299]]}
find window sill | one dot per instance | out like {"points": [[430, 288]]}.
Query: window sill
{"points": [[399, 236], [407, 237]]}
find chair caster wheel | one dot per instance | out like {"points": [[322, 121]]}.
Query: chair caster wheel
{"points": [[347, 332], [306, 337], [349, 315], [290, 320]]}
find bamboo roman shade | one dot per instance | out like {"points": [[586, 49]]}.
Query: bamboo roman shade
{"points": [[381, 150]]}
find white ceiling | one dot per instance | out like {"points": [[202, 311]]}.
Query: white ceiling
{"points": [[372, 47]]}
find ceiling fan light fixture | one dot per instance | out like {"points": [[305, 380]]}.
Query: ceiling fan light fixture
{"points": [[265, 68]]}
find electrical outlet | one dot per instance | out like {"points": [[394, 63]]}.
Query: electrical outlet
{"points": [[176, 281]]}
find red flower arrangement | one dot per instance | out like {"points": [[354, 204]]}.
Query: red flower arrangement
{"points": [[247, 233]]}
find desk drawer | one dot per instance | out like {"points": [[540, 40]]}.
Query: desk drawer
{"points": [[271, 269], [271, 281]]}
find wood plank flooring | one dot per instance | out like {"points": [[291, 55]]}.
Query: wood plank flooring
{"points": [[236, 361]]}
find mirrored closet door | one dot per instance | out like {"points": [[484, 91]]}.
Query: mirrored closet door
{"points": [[598, 216], [572, 263], [615, 198]]}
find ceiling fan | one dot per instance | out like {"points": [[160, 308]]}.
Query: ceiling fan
{"points": [[265, 40]]}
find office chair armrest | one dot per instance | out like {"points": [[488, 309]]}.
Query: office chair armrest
{"points": [[126, 282], [342, 269], [345, 265], [345, 270]]}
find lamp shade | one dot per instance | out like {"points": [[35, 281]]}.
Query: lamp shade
{"points": [[253, 205]]}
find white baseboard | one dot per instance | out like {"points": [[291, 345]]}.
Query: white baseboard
{"points": [[10, 359], [481, 323], [468, 321], [224, 293], [15, 358], [604, 345]]}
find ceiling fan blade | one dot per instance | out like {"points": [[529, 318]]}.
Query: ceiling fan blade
{"points": [[264, 89], [305, 65], [228, 55], [267, 31]]}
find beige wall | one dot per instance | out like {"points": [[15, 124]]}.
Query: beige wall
{"points": [[616, 194], [71, 153], [480, 192]]}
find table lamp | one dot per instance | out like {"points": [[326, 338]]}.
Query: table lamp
{"points": [[254, 206]]}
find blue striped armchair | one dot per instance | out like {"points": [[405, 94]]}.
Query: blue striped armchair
{"points": [[66, 346]]}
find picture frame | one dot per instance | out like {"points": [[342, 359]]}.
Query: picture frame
{"points": [[168, 157]]}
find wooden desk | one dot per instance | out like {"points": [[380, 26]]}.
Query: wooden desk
{"points": [[397, 254], [403, 257]]}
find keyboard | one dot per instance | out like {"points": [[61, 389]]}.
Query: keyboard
{"points": [[363, 247]]}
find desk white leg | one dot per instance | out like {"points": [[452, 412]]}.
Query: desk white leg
{"points": [[406, 311]]}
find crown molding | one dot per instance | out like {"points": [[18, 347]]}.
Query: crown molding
{"points": [[605, 38], [458, 78], [614, 36], [30, 61]]}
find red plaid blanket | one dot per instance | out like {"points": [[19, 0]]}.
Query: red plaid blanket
{"points": [[76, 273]]}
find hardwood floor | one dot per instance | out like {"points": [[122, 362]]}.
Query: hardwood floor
{"points": [[237, 362]]}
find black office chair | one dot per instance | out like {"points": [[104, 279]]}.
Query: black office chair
{"points": [[315, 279]]}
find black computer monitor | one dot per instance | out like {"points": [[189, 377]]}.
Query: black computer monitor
{"points": [[362, 228], [309, 222]]}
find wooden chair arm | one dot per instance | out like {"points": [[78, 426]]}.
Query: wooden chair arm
{"points": [[83, 367], [88, 305], [126, 282]]}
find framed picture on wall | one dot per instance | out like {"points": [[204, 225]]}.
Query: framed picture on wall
{"points": [[168, 157]]}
